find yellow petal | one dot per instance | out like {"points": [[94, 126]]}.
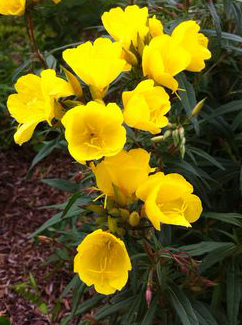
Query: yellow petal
{"points": [[188, 37], [53, 86], [155, 27], [94, 131], [12, 7], [125, 26], [74, 83], [97, 65], [25, 132], [194, 207], [103, 260], [145, 188]]}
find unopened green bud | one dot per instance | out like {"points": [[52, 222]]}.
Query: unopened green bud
{"points": [[112, 224], [130, 57], [121, 232], [167, 134], [110, 204], [181, 132], [98, 209], [182, 151], [141, 44], [96, 93], [134, 219], [101, 220], [196, 110], [176, 138], [120, 198], [114, 212], [157, 139], [124, 214]]}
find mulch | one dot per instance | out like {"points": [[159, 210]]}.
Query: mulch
{"points": [[20, 216]]}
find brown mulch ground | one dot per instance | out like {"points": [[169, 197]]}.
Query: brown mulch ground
{"points": [[20, 216]]}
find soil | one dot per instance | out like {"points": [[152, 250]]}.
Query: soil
{"points": [[20, 216]]}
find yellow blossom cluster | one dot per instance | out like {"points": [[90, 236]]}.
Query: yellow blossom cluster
{"points": [[94, 128]]}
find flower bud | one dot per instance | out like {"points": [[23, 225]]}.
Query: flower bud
{"points": [[148, 295], [196, 110], [45, 240], [134, 219], [114, 212], [101, 220], [98, 209], [120, 232], [130, 57], [159, 138], [124, 214], [112, 224]]}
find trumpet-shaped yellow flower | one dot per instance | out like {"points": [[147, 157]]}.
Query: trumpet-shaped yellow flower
{"points": [[169, 199], [187, 35], [126, 171], [162, 59], [155, 27], [97, 64], [145, 107], [102, 260], [56, 1], [125, 26], [94, 131], [12, 7], [35, 102]]}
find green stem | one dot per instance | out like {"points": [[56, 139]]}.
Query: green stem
{"points": [[30, 29]]}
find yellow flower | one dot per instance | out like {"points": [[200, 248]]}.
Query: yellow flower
{"points": [[102, 260], [155, 27], [187, 35], [162, 59], [169, 199], [145, 106], [94, 131], [56, 1], [97, 64], [126, 171], [125, 26], [35, 102], [12, 7]]}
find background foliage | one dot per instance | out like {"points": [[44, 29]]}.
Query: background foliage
{"points": [[195, 274]]}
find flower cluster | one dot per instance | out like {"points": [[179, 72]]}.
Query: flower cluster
{"points": [[94, 129]]}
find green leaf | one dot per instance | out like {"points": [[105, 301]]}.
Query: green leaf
{"points": [[62, 185], [4, 320], [203, 314], [216, 18], [88, 304], [188, 98], [231, 218], [110, 309], [70, 203], [44, 152], [149, 316], [57, 218], [73, 283], [181, 305], [78, 293], [227, 36], [206, 156], [203, 247], [234, 293], [131, 314], [217, 255]]}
